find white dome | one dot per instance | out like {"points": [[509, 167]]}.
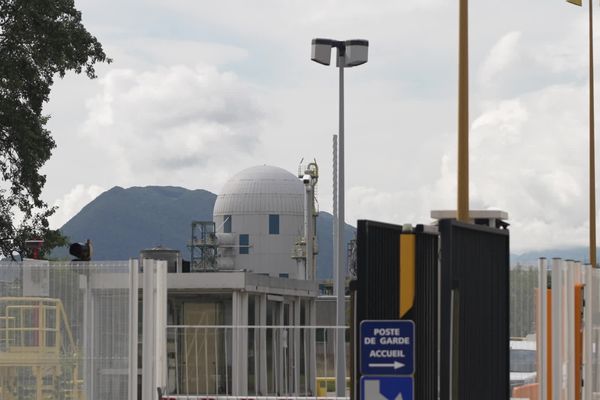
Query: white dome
{"points": [[262, 189]]}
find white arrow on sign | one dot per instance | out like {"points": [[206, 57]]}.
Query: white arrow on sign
{"points": [[394, 365]]}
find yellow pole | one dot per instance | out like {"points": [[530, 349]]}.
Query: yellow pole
{"points": [[592, 160], [463, 113], [592, 144]]}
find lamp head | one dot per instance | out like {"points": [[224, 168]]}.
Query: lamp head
{"points": [[357, 52], [321, 51]]}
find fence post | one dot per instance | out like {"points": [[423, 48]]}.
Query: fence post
{"points": [[160, 324], [148, 310], [588, 292], [263, 383], [297, 310], [556, 329], [133, 330], [542, 346], [570, 332]]}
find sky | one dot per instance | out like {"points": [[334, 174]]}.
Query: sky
{"points": [[200, 90]]}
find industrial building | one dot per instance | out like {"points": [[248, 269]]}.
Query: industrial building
{"points": [[241, 322]]}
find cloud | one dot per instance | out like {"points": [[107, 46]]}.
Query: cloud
{"points": [[72, 202], [160, 121], [502, 124], [156, 117], [528, 156], [502, 54]]}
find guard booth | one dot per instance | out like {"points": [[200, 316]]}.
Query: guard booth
{"points": [[397, 279], [451, 281]]}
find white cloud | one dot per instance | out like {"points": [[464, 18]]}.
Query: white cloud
{"points": [[157, 123], [500, 125], [72, 202], [155, 117], [528, 157], [502, 54]]}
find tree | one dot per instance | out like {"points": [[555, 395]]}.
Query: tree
{"points": [[39, 40]]}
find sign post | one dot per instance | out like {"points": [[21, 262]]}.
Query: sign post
{"points": [[387, 360]]}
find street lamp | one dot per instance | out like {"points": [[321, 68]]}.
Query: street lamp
{"points": [[592, 160], [350, 53]]}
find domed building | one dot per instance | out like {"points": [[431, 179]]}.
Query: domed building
{"points": [[259, 216]]}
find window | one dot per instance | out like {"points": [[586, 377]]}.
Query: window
{"points": [[273, 224], [227, 223], [522, 360], [244, 243], [284, 275]]}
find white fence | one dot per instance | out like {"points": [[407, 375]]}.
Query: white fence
{"points": [[216, 361], [64, 330], [555, 308]]}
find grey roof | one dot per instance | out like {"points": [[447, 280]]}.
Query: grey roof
{"points": [[260, 190]]}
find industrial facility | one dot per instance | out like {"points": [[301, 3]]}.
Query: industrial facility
{"points": [[245, 317], [239, 320]]}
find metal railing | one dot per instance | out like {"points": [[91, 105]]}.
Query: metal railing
{"points": [[64, 330], [250, 362]]}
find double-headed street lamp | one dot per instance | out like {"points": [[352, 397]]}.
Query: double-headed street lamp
{"points": [[350, 53]]}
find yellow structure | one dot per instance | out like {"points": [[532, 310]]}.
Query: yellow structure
{"points": [[39, 359]]}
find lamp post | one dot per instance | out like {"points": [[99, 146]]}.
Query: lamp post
{"points": [[463, 113], [592, 157], [350, 53]]}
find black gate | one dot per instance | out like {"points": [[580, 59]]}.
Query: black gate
{"points": [[391, 262], [474, 308]]}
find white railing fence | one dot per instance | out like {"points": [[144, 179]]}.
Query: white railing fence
{"points": [[230, 362], [64, 331], [558, 311]]}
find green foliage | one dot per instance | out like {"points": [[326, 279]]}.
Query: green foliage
{"points": [[39, 40], [523, 285]]}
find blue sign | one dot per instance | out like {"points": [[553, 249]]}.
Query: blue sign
{"points": [[387, 347], [386, 388]]}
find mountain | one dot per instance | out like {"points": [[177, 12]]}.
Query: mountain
{"points": [[531, 257], [325, 241], [121, 222]]}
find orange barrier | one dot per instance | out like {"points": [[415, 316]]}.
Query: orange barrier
{"points": [[578, 330], [548, 335], [526, 392]]}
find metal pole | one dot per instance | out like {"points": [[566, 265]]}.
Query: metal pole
{"points": [[543, 329], [340, 365], [463, 113], [309, 233], [557, 321], [588, 293], [570, 329], [133, 329], [592, 152]]}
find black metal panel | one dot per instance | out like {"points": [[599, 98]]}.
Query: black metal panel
{"points": [[378, 260], [475, 328], [426, 316], [377, 294]]}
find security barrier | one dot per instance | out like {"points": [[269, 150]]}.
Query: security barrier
{"points": [[474, 312], [201, 361], [64, 332], [397, 278]]}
